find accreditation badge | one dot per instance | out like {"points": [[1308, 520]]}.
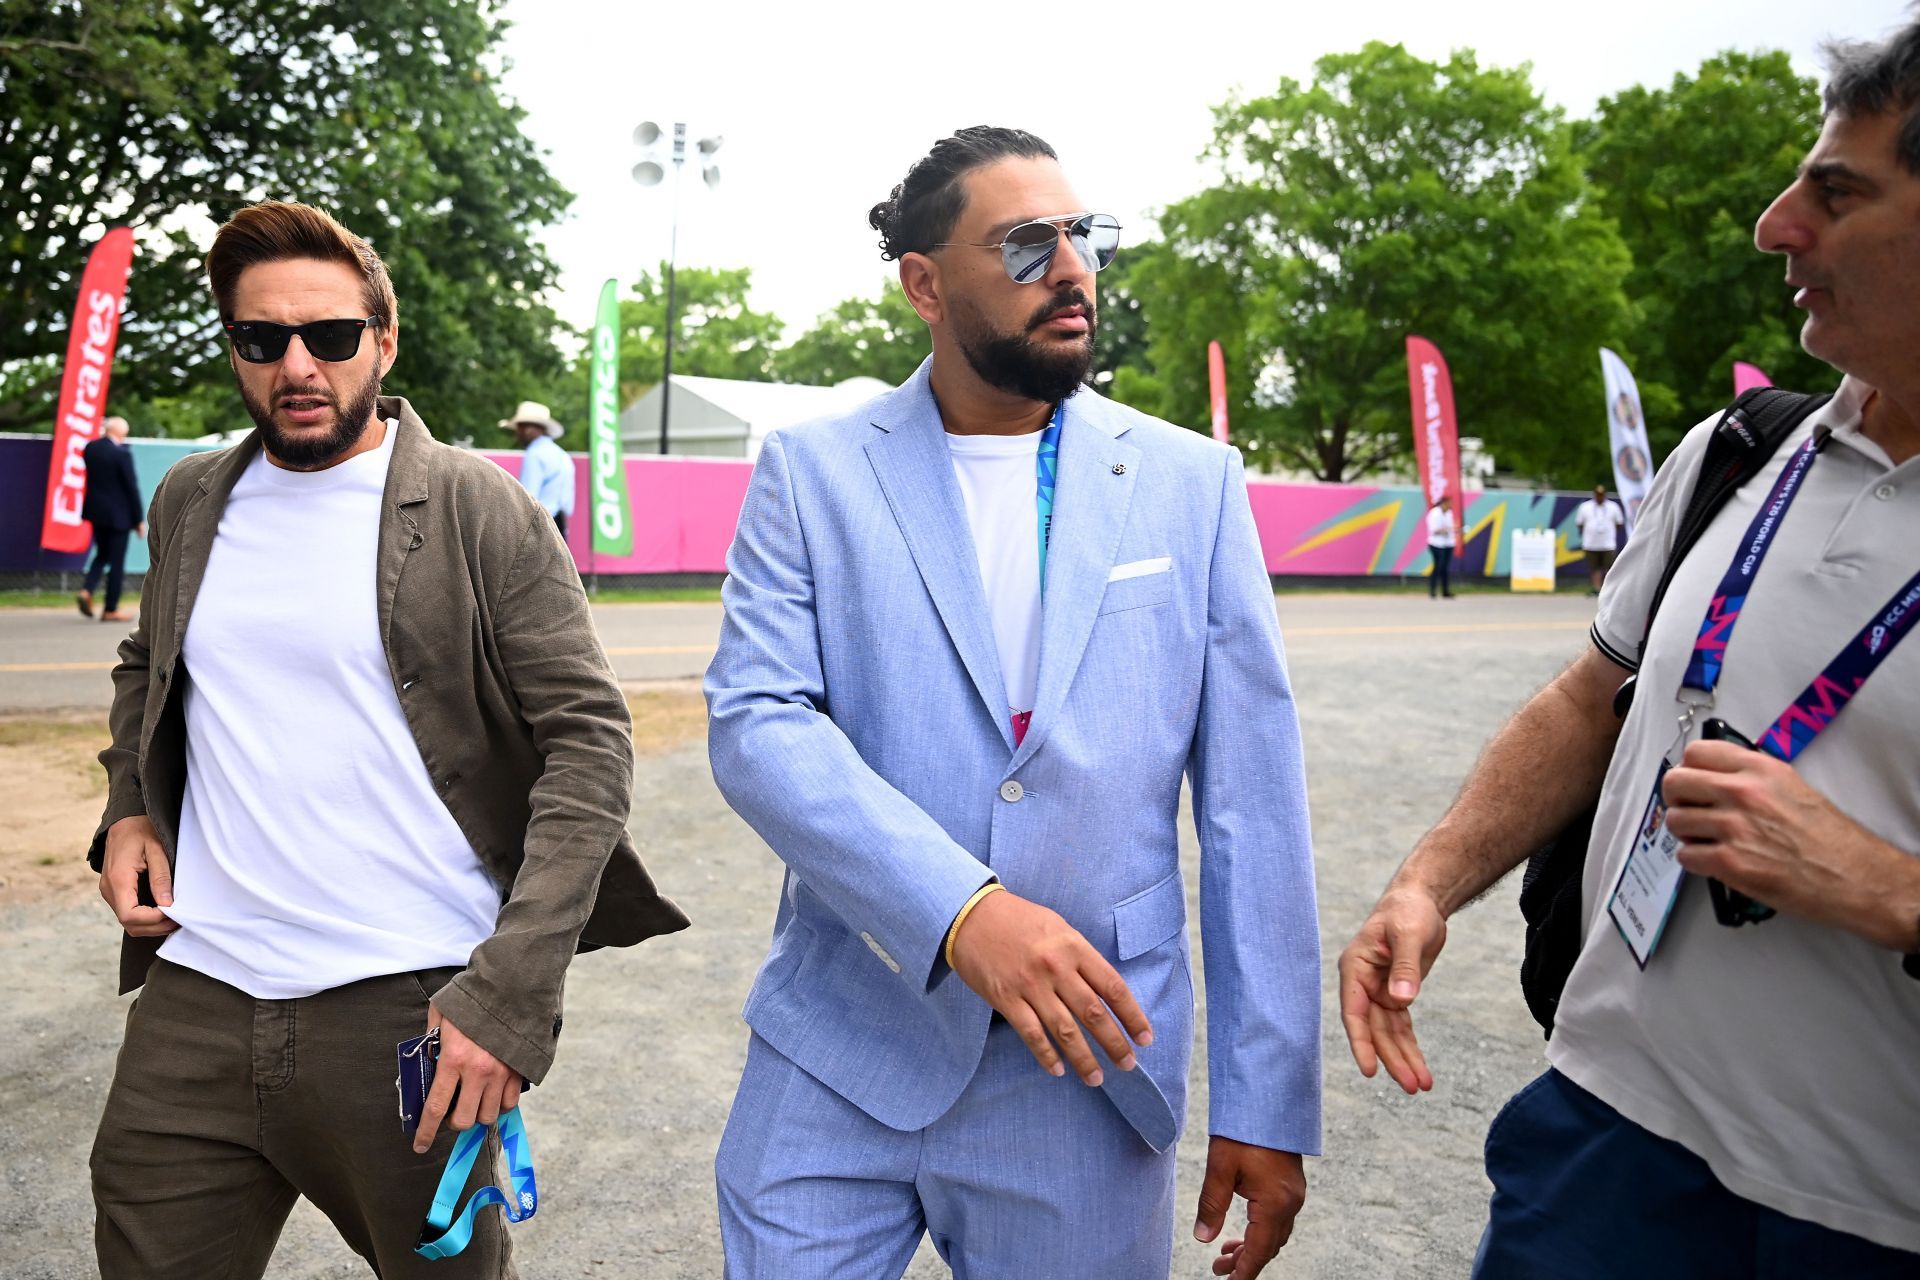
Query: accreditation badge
{"points": [[1644, 895]]}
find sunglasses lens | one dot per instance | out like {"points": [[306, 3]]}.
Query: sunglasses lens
{"points": [[1096, 239], [258, 342], [332, 340], [1028, 250]]}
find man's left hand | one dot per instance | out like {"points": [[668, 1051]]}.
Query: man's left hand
{"points": [[1751, 822], [1274, 1184], [485, 1085]]}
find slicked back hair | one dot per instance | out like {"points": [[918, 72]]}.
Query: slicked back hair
{"points": [[279, 231], [1875, 77], [923, 209]]}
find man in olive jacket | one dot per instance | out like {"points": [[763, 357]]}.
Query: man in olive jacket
{"points": [[370, 774]]}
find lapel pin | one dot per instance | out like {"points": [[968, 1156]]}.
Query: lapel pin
{"points": [[1119, 468]]}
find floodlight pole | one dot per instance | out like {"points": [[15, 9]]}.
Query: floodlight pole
{"points": [[673, 253]]}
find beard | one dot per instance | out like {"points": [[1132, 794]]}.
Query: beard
{"points": [[312, 452], [1015, 363]]}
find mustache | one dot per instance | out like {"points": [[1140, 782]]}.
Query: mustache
{"points": [[1071, 296], [306, 393]]}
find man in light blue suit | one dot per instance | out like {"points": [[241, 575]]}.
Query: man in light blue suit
{"points": [[976, 633]]}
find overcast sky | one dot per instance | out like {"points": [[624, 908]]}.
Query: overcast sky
{"points": [[823, 107]]}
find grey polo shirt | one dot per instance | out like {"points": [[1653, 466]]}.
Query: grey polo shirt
{"points": [[1786, 1055]]}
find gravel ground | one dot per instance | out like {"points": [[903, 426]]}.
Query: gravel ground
{"points": [[1396, 695]]}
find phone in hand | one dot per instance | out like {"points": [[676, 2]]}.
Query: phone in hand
{"points": [[1731, 907]]}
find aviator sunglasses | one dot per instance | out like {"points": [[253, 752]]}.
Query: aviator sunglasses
{"points": [[263, 342], [1028, 250]]}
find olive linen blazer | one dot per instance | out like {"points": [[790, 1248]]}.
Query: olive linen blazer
{"points": [[504, 684]]}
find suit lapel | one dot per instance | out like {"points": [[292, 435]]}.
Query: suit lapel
{"points": [[915, 472], [1094, 493], [406, 486]]}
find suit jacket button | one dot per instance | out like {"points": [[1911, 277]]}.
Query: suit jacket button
{"points": [[1012, 792]]}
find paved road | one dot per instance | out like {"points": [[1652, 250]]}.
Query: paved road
{"points": [[53, 659], [1396, 695]]}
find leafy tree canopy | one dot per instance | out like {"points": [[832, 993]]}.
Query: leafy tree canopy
{"points": [[1684, 172], [170, 116], [1391, 196], [879, 337]]}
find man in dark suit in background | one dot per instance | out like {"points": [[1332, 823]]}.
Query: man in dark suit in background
{"points": [[113, 506]]}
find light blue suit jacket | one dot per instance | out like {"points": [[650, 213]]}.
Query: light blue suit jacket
{"points": [[858, 724]]}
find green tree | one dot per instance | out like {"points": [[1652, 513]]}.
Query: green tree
{"points": [[1121, 333], [1391, 196], [1685, 171], [168, 117], [879, 337]]}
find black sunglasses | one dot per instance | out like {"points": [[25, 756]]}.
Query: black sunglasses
{"points": [[1028, 250], [263, 342]]}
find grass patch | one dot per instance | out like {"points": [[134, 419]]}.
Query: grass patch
{"points": [[666, 718], [60, 600], [655, 595]]}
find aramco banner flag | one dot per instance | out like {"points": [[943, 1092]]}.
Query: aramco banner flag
{"points": [[1436, 433], [1626, 436], [607, 475], [83, 389], [1748, 376], [1217, 385]]}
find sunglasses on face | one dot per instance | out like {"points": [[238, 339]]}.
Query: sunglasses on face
{"points": [[1028, 250], [263, 342]]}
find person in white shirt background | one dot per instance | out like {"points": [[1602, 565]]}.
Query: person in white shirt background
{"points": [[1601, 521], [1440, 543], [546, 472]]}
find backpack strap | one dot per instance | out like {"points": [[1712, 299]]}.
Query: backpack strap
{"points": [[1748, 434]]}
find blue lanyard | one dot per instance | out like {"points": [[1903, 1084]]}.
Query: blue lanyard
{"points": [[1723, 611], [1795, 728], [1046, 468], [451, 1233]]}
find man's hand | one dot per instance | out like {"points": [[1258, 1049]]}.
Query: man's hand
{"points": [[1274, 1185], [1751, 822], [1045, 979], [486, 1085], [141, 528], [1380, 974], [133, 846]]}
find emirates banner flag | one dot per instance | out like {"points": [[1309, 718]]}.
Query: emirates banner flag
{"points": [[1626, 436], [1217, 385], [607, 473], [1748, 376], [1436, 432], [83, 389]]}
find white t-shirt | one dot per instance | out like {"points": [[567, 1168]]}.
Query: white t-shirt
{"points": [[1784, 1054], [1600, 524], [313, 850], [998, 486], [1439, 527]]}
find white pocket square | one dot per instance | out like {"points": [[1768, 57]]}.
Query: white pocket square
{"points": [[1140, 568]]}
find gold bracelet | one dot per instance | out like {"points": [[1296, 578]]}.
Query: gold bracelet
{"points": [[953, 930]]}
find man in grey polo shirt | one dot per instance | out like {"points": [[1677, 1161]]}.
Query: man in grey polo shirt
{"points": [[1729, 1101]]}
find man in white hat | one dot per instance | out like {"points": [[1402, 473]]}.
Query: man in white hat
{"points": [[546, 472]]}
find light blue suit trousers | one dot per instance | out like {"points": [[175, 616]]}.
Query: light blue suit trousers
{"points": [[857, 723]]}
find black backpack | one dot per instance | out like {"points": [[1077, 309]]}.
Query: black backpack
{"points": [[1747, 435]]}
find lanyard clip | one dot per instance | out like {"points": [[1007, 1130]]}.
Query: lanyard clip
{"points": [[1700, 701]]}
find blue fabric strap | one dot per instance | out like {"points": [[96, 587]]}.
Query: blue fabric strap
{"points": [[1046, 469], [447, 1232]]}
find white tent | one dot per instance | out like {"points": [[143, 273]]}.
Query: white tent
{"points": [[729, 418]]}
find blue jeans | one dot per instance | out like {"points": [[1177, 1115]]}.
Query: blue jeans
{"points": [[1582, 1193]]}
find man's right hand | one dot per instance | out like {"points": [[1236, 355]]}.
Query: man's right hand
{"points": [[1380, 974], [1050, 985], [133, 847]]}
